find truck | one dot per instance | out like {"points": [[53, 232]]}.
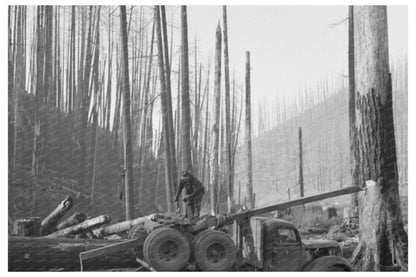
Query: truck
{"points": [[241, 241]]}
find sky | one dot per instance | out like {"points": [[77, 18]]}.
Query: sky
{"points": [[290, 46]]}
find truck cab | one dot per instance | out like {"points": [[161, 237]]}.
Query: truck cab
{"points": [[273, 244]]}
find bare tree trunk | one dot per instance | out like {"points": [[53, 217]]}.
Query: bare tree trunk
{"points": [[383, 239], [351, 110], [128, 155], [229, 173], [173, 165], [301, 188], [165, 110], [217, 89], [185, 105], [248, 134]]}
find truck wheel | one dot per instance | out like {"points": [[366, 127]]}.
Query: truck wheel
{"points": [[214, 251], [138, 232], [166, 249]]}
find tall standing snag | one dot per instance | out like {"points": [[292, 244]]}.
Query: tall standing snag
{"points": [[128, 155], [217, 90], [248, 134], [383, 239], [229, 174], [186, 108], [165, 111]]}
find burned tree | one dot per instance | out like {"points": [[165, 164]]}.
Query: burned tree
{"points": [[185, 105], [217, 89], [248, 134], [128, 155], [383, 239]]}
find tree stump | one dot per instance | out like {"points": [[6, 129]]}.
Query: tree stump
{"points": [[27, 227]]}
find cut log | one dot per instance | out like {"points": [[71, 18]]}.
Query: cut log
{"points": [[72, 220], [62, 254], [82, 227], [27, 227], [49, 223], [120, 227]]}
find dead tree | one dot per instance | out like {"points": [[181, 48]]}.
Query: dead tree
{"points": [[248, 134], [351, 109], [228, 166], [186, 152], [216, 130], [128, 155], [165, 111], [383, 239], [173, 165], [301, 188]]}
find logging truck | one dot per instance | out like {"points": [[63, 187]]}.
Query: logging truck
{"points": [[240, 241]]}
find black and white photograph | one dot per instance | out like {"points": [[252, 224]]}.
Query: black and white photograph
{"points": [[216, 137]]}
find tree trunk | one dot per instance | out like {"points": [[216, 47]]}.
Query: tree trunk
{"points": [[120, 227], [383, 239], [74, 219], [165, 110], [49, 223], [173, 165], [82, 227], [128, 155], [229, 173], [351, 110], [301, 188], [216, 130], [248, 135], [185, 103]]}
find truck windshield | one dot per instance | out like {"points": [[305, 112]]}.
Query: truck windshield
{"points": [[285, 236]]}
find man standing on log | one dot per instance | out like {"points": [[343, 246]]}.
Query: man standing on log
{"points": [[194, 194]]}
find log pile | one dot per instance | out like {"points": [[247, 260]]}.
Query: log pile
{"points": [[54, 243]]}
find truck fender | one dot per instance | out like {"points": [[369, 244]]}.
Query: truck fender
{"points": [[326, 263]]}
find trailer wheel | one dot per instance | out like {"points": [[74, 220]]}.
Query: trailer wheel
{"points": [[166, 249], [214, 251], [138, 232]]}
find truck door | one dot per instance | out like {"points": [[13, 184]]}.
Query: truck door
{"points": [[288, 252]]}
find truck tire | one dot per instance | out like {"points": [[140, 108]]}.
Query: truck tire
{"points": [[166, 249], [329, 263], [138, 232], [214, 251]]}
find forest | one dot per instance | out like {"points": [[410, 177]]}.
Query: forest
{"points": [[110, 104]]}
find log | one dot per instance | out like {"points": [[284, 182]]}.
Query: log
{"points": [[27, 227], [49, 223], [62, 254], [120, 227], [72, 220], [81, 227]]}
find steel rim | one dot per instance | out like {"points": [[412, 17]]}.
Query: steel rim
{"points": [[168, 251], [216, 253]]}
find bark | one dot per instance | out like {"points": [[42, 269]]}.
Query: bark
{"points": [[53, 254], [82, 227], [120, 227], [383, 239], [301, 188], [128, 155], [248, 134], [186, 152], [74, 219], [165, 110], [351, 109], [49, 222], [171, 133], [228, 166], [216, 130]]}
